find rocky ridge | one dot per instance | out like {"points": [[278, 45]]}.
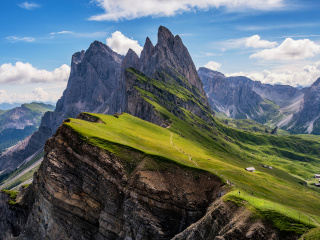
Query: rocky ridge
{"points": [[243, 98], [98, 83]]}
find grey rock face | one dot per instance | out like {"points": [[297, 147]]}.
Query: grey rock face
{"points": [[307, 120], [13, 217], [94, 86], [93, 80], [171, 57], [232, 96], [241, 98]]}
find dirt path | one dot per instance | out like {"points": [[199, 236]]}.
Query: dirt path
{"points": [[182, 151], [9, 181]]}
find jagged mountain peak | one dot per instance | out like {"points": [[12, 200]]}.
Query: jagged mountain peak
{"points": [[98, 48], [165, 37], [148, 43], [147, 52], [131, 53], [130, 60], [172, 57]]}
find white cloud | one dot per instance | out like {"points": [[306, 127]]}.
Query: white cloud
{"points": [[62, 32], [121, 44], [78, 34], [3, 95], [213, 65], [125, 9], [29, 6], [255, 42], [37, 94], [40, 95], [25, 73], [248, 42], [20, 39], [290, 49], [303, 77]]}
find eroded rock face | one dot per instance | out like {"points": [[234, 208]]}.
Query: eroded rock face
{"points": [[225, 221], [88, 193], [14, 216]]}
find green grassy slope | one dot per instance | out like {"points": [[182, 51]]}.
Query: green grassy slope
{"points": [[279, 195], [39, 107], [314, 234], [208, 153]]}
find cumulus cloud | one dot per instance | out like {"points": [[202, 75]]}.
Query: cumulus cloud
{"points": [[124, 9], [20, 39], [290, 49], [247, 42], [121, 44], [256, 42], [25, 73], [213, 65], [303, 77], [37, 94], [29, 6]]}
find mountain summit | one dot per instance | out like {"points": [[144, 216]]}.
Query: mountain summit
{"points": [[99, 83]]}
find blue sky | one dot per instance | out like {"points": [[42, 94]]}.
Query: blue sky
{"points": [[274, 41]]}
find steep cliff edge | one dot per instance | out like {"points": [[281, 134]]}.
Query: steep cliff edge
{"points": [[86, 192]]}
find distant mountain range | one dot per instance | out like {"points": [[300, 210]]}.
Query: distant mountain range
{"points": [[18, 123], [8, 106], [293, 109]]}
